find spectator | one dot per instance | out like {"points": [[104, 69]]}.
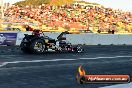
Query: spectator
{"points": [[113, 31], [109, 31], [73, 13], [99, 31]]}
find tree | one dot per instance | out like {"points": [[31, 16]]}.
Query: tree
{"points": [[39, 2]]}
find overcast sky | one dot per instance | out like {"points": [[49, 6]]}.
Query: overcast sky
{"points": [[125, 5], [12, 1], [116, 4]]}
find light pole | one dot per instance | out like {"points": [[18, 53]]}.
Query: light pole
{"points": [[2, 13], [2, 9]]}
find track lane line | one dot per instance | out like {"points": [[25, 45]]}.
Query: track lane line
{"points": [[57, 60]]}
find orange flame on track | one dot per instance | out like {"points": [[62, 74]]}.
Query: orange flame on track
{"points": [[81, 71]]}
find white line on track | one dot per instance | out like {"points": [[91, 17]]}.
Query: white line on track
{"points": [[56, 60], [35, 61], [128, 85], [104, 57]]}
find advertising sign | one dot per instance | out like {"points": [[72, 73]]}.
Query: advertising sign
{"points": [[8, 38]]}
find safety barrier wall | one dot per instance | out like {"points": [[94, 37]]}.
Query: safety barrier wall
{"points": [[100, 39], [87, 39], [20, 36]]}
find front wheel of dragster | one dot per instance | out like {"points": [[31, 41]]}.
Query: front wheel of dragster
{"points": [[79, 49], [38, 46]]}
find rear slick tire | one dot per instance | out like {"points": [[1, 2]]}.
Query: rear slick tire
{"points": [[38, 46], [24, 47]]}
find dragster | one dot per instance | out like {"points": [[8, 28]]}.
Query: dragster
{"points": [[38, 42]]}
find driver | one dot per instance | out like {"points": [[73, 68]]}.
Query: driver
{"points": [[36, 32]]}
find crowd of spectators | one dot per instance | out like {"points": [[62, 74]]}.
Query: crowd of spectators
{"points": [[74, 16]]}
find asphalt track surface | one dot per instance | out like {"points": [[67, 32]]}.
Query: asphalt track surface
{"points": [[58, 70]]}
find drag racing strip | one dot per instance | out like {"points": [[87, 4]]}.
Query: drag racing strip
{"points": [[57, 60], [57, 70]]}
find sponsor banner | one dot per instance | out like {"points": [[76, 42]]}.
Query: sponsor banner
{"points": [[8, 38], [82, 77], [107, 78]]}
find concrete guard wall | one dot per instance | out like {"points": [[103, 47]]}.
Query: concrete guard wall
{"points": [[100, 39], [88, 38]]}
